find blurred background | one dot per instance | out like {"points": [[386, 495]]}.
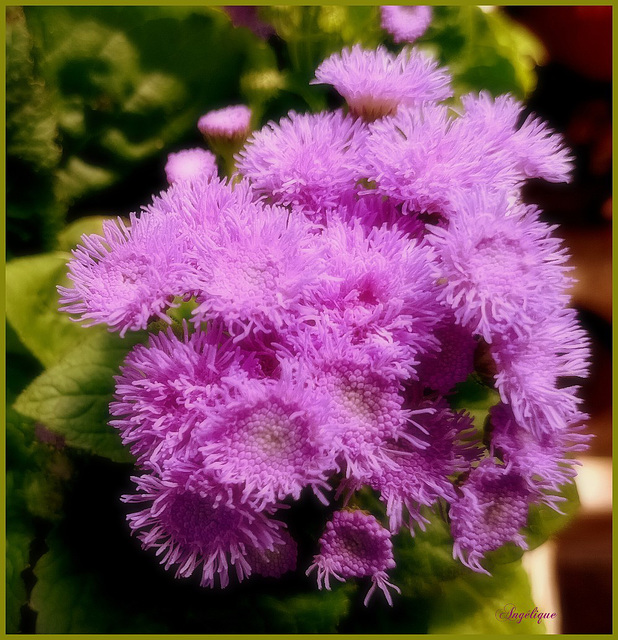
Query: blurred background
{"points": [[98, 96]]}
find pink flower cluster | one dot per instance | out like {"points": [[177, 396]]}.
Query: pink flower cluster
{"points": [[340, 287]]}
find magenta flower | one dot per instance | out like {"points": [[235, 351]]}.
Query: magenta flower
{"points": [[375, 82], [453, 362], [275, 563], [362, 407], [126, 277], [530, 370], [542, 458], [491, 511], [406, 24], [533, 148], [440, 447], [189, 164], [195, 530], [269, 442], [309, 161], [227, 124], [168, 389], [355, 545], [503, 270], [254, 269], [382, 286]]}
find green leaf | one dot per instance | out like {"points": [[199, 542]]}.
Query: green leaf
{"points": [[476, 398], [313, 612], [484, 50], [544, 522], [473, 602], [32, 306], [72, 397], [32, 145], [71, 235]]}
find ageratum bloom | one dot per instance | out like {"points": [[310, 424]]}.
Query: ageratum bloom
{"points": [[406, 24], [382, 286], [196, 530], [491, 511], [542, 458], [530, 371], [355, 545], [309, 161], [423, 464], [502, 269], [254, 269], [269, 442], [174, 385], [226, 125], [275, 563], [375, 82], [189, 164], [424, 158], [454, 360], [126, 277]]}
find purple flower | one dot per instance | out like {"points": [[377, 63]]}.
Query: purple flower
{"points": [[308, 161], [534, 149], [375, 82], [230, 123], [530, 370], [382, 286], [168, 389], [454, 361], [421, 158], [355, 545], [439, 447], [189, 164], [406, 24], [273, 564], [254, 269], [126, 277], [196, 529], [492, 509], [242, 16], [372, 210], [269, 442], [503, 270], [543, 458]]}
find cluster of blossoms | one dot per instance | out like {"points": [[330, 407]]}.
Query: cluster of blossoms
{"points": [[342, 282]]}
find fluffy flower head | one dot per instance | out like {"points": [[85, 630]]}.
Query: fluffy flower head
{"points": [[406, 24], [355, 545], [375, 82], [189, 164], [306, 160]]}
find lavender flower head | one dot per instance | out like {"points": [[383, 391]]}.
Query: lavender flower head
{"points": [[355, 545], [374, 83], [228, 124], [189, 164], [406, 24]]}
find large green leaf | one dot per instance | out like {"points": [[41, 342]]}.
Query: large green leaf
{"points": [[474, 603], [72, 397], [32, 306]]}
